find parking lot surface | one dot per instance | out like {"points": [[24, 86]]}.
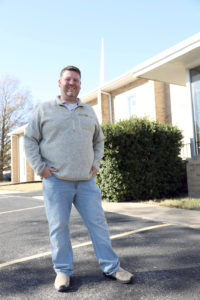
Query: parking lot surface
{"points": [[164, 257]]}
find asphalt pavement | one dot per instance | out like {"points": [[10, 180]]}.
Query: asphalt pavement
{"points": [[160, 245]]}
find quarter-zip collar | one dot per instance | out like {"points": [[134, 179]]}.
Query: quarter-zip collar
{"points": [[58, 101]]}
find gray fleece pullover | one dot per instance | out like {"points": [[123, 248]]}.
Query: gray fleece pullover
{"points": [[69, 141]]}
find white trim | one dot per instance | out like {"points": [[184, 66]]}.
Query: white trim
{"points": [[18, 131], [168, 55]]}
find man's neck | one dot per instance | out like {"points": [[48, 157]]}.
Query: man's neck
{"points": [[68, 100]]}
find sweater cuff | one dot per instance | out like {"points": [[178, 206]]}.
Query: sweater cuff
{"points": [[40, 169], [96, 165]]}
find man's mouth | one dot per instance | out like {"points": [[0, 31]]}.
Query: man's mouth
{"points": [[70, 90]]}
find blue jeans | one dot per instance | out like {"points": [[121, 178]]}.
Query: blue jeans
{"points": [[86, 196]]}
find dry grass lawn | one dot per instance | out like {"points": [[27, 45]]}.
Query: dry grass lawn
{"points": [[186, 203], [22, 187]]}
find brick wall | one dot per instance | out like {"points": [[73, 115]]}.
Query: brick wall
{"points": [[14, 160], [29, 172], [193, 177], [162, 102], [105, 110]]}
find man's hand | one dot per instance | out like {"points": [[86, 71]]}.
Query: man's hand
{"points": [[47, 172], [94, 171]]}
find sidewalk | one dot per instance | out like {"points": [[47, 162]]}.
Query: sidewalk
{"points": [[175, 216]]}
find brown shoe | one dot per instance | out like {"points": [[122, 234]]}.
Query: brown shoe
{"points": [[62, 282], [122, 276]]}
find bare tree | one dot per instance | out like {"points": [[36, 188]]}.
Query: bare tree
{"points": [[15, 106]]}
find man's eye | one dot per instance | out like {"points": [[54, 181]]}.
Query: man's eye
{"points": [[72, 79]]}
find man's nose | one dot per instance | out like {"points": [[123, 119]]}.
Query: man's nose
{"points": [[72, 81]]}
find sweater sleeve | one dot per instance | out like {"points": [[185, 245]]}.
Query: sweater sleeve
{"points": [[32, 138], [98, 145]]}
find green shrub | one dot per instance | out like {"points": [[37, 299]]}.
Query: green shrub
{"points": [[141, 161]]}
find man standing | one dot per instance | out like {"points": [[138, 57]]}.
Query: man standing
{"points": [[64, 144]]}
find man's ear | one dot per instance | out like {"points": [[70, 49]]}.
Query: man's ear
{"points": [[59, 82]]}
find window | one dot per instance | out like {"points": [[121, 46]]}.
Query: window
{"points": [[132, 105], [195, 87]]}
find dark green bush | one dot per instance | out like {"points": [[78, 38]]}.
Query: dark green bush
{"points": [[141, 161]]}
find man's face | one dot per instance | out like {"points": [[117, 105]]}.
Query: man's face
{"points": [[70, 85]]}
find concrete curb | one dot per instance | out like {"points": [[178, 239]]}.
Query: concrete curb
{"points": [[176, 216]]}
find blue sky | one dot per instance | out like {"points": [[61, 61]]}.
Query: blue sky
{"points": [[40, 37]]}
